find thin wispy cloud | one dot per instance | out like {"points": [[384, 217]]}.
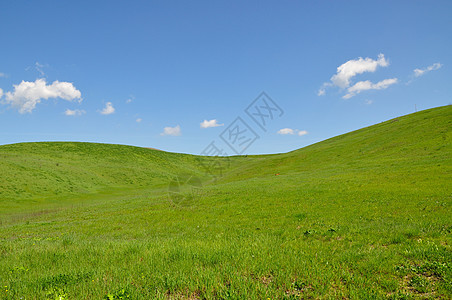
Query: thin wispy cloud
{"points": [[3, 74], [27, 95], [348, 70], [40, 68], [290, 131], [174, 131], [130, 99], [139, 120], [209, 124], [75, 112], [108, 109], [420, 72]]}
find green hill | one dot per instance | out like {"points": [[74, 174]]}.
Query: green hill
{"points": [[45, 170], [361, 215]]}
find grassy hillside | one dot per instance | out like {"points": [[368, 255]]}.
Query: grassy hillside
{"points": [[421, 138], [362, 215], [39, 172]]}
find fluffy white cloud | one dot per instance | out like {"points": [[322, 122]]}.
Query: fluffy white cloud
{"points": [[286, 131], [27, 94], [367, 85], [348, 70], [292, 131], [75, 112], [108, 109], [420, 72], [1, 93], [174, 131], [351, 68], [139, 120], [211, 123]]}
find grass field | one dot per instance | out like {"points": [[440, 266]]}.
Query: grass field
{"points": [[365, 215]]}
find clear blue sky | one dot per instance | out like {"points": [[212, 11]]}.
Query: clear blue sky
{"points": [[125, 70]]}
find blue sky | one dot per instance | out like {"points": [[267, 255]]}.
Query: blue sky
{"points": [[123, 71]]}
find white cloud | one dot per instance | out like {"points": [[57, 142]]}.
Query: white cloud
{"points": [[367, 85], [420, 72], [302, 132], [2, 74], [348, 70], [1, 93], [27, 94], [108, 109], [369, 102], [286, 131], [75, 112], [211, 123], [351, 68], [139, 120], [174, 131], [292, 131]]}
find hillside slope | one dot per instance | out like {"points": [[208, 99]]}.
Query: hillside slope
{"points": [[404, 143], [365, 215], [33, 171]]}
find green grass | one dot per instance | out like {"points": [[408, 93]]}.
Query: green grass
{"points": [[362, 215]]}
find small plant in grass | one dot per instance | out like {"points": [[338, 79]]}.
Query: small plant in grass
{"points": [[56, 294], [309, 232], [119, 294], [18, 270], [420, 284]]}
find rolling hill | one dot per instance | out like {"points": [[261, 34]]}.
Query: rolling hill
{"points": [[361, 215]]}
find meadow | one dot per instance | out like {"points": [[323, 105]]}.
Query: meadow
{"points": [[364, 215]]}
